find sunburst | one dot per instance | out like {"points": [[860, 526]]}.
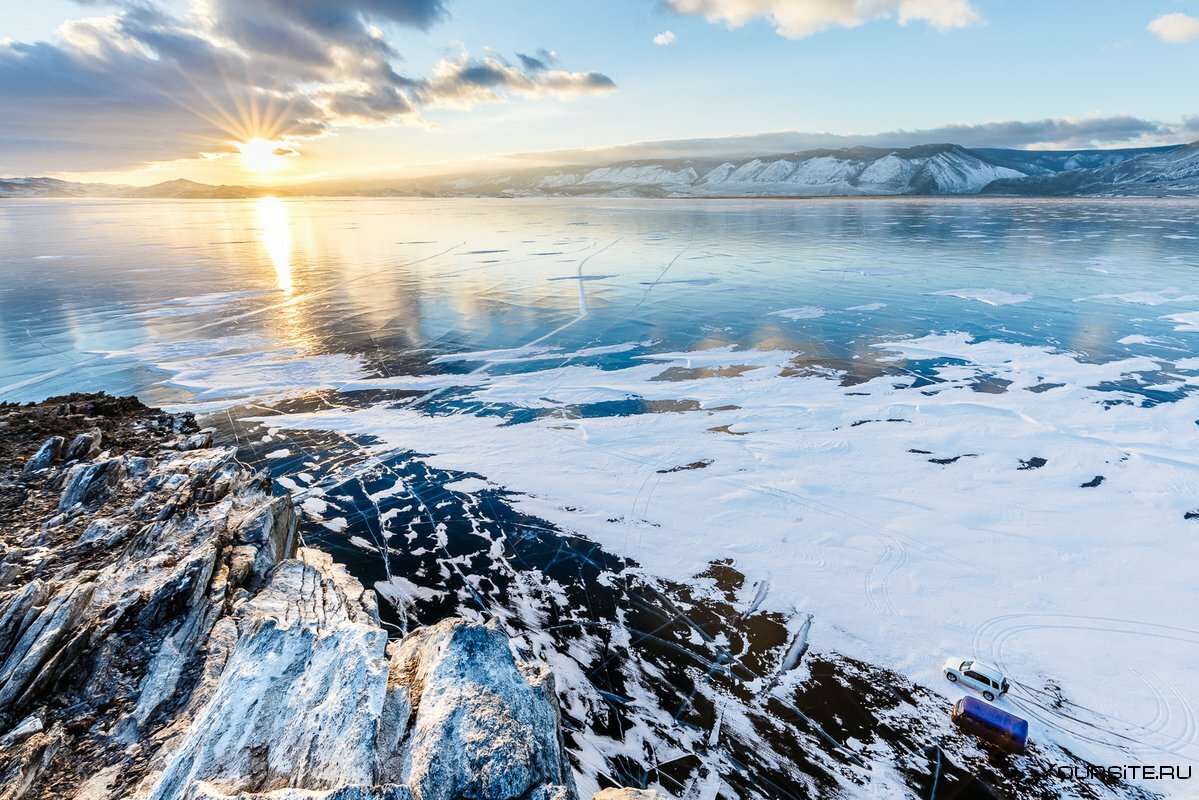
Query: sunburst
{"points": [[262, 155], [259, 123]]}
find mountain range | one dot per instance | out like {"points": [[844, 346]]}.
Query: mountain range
{"points": [[925, 170]]}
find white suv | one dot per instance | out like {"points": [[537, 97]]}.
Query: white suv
{"points": [[977, 676]]}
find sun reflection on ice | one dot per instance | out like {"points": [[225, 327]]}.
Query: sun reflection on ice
{"points": [[276, 238]]}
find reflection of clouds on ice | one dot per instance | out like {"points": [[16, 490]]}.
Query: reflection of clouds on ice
{"points": [[868, 307], [992, 297], [858, 502]]}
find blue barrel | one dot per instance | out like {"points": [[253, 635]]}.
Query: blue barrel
{"points": [[1004, 730]]}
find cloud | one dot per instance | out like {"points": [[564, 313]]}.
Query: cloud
{"points": [[470, 81], [665, 39], [1058, 133], [795, 19], [140, 85], [542, 59], [1175, 28]]}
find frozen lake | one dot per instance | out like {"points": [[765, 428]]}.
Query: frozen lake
{"points": [[894, 430]]}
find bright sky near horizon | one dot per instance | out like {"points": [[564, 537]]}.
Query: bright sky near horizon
{"points": [[288, 90]]}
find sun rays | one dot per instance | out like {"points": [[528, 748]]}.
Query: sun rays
{"points": [[264, 156]]}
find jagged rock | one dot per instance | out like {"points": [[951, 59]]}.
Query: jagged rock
{"points": [[552, 793], [89, 483], [480, 728], [299, 700], [28, 726], [162, 637], [308, 699], [389, 791], [103, 530], [85, 445], [198, 441], [31, 763], [46, 455], [106, 623]]}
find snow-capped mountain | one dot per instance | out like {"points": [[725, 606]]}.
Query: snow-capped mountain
{"points": [[933, 169]]}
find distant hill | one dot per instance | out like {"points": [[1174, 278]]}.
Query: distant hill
{"points": [[1162, 173], [190, 190], [926, 170]]}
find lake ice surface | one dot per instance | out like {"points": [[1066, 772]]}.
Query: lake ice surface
{"points": [[938, 427]]}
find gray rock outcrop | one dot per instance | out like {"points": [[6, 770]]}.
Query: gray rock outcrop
{"points": [[163, 636], [482, 725]]}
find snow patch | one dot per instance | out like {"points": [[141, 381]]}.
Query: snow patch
{"points": [[992, 297]]}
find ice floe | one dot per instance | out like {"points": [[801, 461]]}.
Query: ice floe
{"points": [[802, 312], [1188, 322], [1149, 298], [992, 297]]}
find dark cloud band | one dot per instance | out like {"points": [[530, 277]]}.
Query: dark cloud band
{"points": [[1060, 133]]}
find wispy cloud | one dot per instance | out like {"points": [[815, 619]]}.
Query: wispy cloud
{"points": [[1175, 28], [798, 18], [665, 39], [141, 85]]}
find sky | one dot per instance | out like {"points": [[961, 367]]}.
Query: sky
{"points": [[284, 91]]}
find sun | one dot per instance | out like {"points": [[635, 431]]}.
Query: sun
{"points": [[262, 156]]}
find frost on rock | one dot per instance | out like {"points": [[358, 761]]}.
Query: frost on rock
{"points": [[163, 637], [299, 698], [482, 725], [117, 575]]}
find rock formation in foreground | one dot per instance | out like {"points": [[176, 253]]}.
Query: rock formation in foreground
{"points": [[164, 635]]}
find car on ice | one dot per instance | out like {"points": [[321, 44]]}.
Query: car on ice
{"points": [[980, 677]]}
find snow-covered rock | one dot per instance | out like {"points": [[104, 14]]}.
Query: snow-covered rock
{"points": [[298, 701], [167, 639], [482, 726], [933, 169]]}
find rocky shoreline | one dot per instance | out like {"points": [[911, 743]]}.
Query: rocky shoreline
{"points": [[164, 634]]}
